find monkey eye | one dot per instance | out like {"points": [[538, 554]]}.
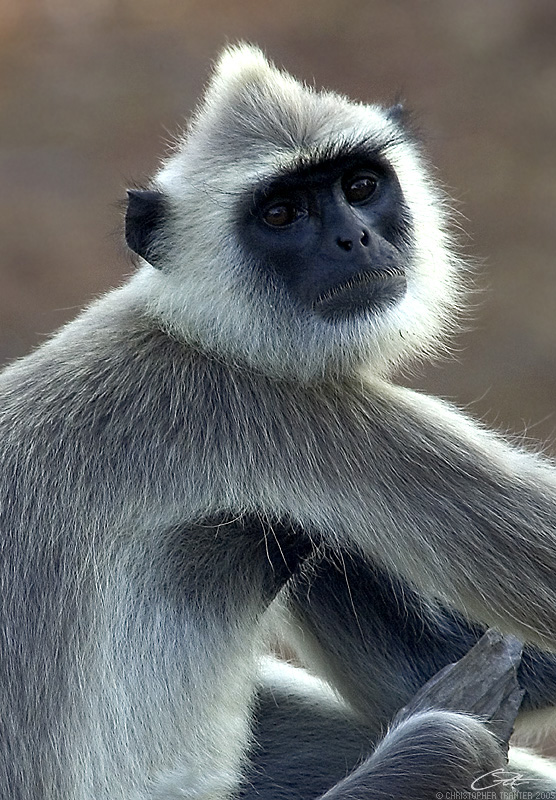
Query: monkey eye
{"points": [[278, 215], [359, 188]]}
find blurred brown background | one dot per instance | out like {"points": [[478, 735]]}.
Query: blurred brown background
{"points": [[89, 90]]}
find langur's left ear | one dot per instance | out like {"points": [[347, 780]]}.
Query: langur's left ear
{"points": [[144, 221], [398, 114]]}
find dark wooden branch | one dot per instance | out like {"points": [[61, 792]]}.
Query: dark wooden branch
{"points": [[482, 683]]}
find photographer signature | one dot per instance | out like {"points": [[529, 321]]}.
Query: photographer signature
{"points": [[498, 777]]}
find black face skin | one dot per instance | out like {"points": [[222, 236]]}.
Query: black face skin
{"points": [[336, 233]]}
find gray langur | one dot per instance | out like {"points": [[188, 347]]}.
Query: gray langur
{"points": [[174, 458]]}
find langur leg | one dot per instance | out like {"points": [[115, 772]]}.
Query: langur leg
{"points": [[309, 744]]}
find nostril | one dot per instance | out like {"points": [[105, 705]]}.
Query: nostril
{"points": [[345, 244], [364, 239]]}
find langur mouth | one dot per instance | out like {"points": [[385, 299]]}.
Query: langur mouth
{"points": [[373, 290]]}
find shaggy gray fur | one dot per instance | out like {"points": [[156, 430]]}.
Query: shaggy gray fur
{"points": [[172, 456]]}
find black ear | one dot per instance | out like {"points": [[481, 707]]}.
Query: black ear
{"points": [[398, 113], [144, 223]]}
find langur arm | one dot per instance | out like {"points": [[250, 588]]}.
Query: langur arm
{"points": [[377, 641], [458, 512]]}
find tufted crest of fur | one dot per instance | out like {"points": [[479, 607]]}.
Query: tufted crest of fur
{"points": [[253, 122]]}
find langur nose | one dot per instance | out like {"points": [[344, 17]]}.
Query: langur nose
{"points": [[345, 244]]}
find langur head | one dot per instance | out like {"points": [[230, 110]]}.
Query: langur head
{"points": [[295, 231]]}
